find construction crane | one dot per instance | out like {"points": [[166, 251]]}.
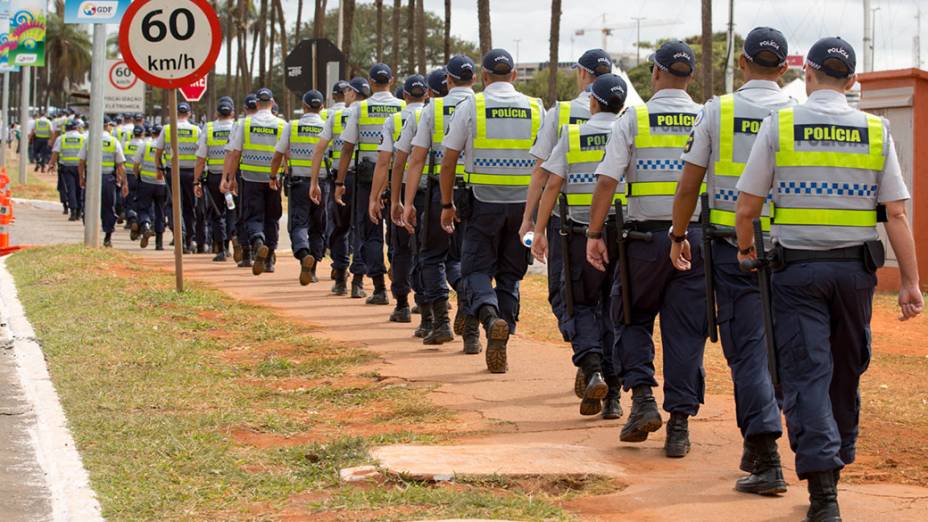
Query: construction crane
{"points": [[638, 23]]}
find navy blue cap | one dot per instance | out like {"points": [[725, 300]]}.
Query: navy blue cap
{"points": [[672, 53], [225, 106], [313, 99], [824, 51], [398, 92], [139, 116], [119, 118], [595, 61], [415, 86], [764, 41], [461, 67], [360, 86], [610, 90], [381, 73], [70, 125], [265, 94], [156, 129], [138, 130], [183, 108], [107, 121], [275, 109], [438, 81], [498, 61], [339, 87], [251, 101]]}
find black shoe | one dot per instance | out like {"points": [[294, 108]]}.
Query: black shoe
{"points": [[134, 231], [108, 240], [471, 336], [146, 236], [748, 458], [220, 252], [579, 383], [767, 476], [237, 250], [593, 395], [245, 262], [823, 498], [357, 287], [612, 408], [425, 321], [312, 275], [340, 287], [441, 330], [159, 242], [75, 216], [271, 263], [261, 256], [400, 315], [415, 308], [201, 248], [65, 212], [497, 338], [677, 443], [459, 319], [644, 417], [332, 274], [379, 297], [307, 270]]}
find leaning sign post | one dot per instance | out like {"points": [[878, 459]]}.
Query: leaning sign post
{"points": [[171, 44]]}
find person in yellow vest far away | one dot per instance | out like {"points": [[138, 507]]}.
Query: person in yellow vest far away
{"points": [[113, 177]]}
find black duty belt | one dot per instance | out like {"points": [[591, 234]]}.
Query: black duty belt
{"points": [[650, 226], [855, 253]]}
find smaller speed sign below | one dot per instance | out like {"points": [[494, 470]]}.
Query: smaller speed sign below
{"points": [[170, 43]]}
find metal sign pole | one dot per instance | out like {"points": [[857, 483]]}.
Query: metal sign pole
{"points": [[175, 194], [315, 63], [23, 118], [93, 177], [6, 118]]}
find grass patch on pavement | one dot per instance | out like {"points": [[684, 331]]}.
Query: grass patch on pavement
{"points": [[34, 188], [196, 407]]}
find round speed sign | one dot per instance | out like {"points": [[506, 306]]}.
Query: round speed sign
{"points": [[170, 43]]}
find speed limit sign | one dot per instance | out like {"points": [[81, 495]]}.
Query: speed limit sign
{"points": [[170, 43]]}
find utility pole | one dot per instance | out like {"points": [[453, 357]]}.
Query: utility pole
{"points": [[707, 86], [93, 177], [638, 20], [23, 118], [873, 37], [868, 38], [341, 25], [916, 41], [730, 67], [5, 125]]}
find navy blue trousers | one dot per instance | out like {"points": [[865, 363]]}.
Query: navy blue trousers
{"points": [[368, 242], [822, 323], [679, 298], [218, 215], [262, 211], [71, 179], [555, 265], [108, 203], [493, 252], [151, 205], [741, 330], [340, 232], [440, 258], [305, 220], [132, 200]]}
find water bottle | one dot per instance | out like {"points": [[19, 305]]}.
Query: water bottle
{"points": [[230, 201], [528, 238]]}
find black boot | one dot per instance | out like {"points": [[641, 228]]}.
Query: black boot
{"points": [[594, 386], [220, 252], [246, 257], [823, 498], [261, 252], [237, 250], [425, 321], [748, 458], [471, 335], [401, 313], [497, 338], [340, 287], [644, 417], [271, 262], [379, 297], [677, 443], [134, 231], [441, 328], [579, 383], [459, 318], [357, 287], [612, 408], [108, 240], [201, 248], [159, 241], [767, 476], [146, 235], [307, 267], [75, 215]]}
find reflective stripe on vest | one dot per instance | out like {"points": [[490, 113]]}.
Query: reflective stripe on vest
{"points": [[43, 129], [187, 139], [726, 166], [108, 161], [258, 151], [505, 160], [303, 140], [788, 156], [584, 153], [565, 116], [71, 146], [371, 117], [399, 122], [658, 171], [216, 141], [646, 140], [338, 126], [131, 149], [439, 108]]}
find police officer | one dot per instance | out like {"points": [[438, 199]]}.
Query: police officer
{"points": [[241, 250], [330, 142], [644, 151], [569, 169], [251, 149], [41, 134], [363, 130], [830, 166], [592, 63], [719, 145], [130, 149], [494, 131], [66, 154], [440, 256], [211, 153], [334, 152], [153, 194], [188, 135], [113, 177], [399, 128], [305, 218]]}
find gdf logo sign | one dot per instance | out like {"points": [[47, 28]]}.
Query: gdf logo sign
{"points": [[122, 77], [99, 9]]}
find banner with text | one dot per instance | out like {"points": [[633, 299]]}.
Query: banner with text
{"points": [[27, 32], [124, 91], [94, 11]]}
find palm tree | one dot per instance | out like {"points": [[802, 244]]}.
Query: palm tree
{"points": [[483, 20], [348, 17], [284, 51], [299, 20], [68, 50], [706, 49], [395, 55], [447, 40], [262, 42], [411, 37], [319, 20], [379, 4], [552, 51], [420, 36]]}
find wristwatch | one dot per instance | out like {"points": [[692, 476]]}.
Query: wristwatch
{"points": [[746, 251], [447, 206], [590, 234], [339, 183], [677, 239]]}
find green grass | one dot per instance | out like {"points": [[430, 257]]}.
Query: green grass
{"points": [[155, 384]]}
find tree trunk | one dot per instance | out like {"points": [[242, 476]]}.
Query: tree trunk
{"points": [[262, 43], [411, 37], [483, 20], [319, 20], [379, 31], [284, 51], [395, 55], [552, 51], [299, 20], [244, 72], [228, 85], [706, 49], [447, 39], [255, 34], [420, 37], [348, 15]]}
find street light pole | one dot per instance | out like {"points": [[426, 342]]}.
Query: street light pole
{"points": [[638, 20], [93, 177]]}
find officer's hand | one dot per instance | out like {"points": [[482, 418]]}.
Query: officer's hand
{"points": [[198, 191], [374, 209], [315, 193], [680, 255], [273, 184], [911, 301], [125, 190], [339, 193], [396, 214], [596, 254], [409, 219], [539, 247], [448, 217], [751, 256], [526, 227]]}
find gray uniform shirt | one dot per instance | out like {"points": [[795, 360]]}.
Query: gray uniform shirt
{"points": [[547, 135]]}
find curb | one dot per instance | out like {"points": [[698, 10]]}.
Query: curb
{"points": [[39, 203], [65, 475]]}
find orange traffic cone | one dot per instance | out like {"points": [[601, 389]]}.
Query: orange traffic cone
{"points": [[6, 214]]}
